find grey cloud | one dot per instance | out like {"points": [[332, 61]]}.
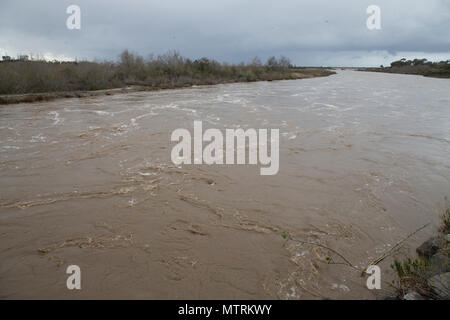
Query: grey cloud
{"points": [[311, 32]]}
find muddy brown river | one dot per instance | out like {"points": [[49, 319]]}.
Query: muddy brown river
{"points": [[364, 161]]}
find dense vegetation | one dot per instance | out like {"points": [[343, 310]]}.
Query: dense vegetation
{"points": [[170, 70], [423, 67]]}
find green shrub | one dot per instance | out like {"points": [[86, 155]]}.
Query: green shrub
{"points": [[412, 275], [446, 221]]}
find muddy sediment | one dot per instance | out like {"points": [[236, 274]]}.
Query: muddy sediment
{"points": [[363, 162]]}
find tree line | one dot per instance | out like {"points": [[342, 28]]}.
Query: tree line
{"points": [[169, 70]]}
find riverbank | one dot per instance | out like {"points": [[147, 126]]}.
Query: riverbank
{"points": [[420, 67], [425, 73], [306, 73], [33, 81], [426, 277]]}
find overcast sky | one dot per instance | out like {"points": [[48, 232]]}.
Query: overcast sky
{"points": [[310, 32]]}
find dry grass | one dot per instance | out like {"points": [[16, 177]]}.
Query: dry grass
{"points": [[42, 80], [445, 222]]}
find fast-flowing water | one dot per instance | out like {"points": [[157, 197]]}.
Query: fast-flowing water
{"points": [[364, 161]]}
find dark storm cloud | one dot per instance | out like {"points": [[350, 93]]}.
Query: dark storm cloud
{"points": [[310, 32]]}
